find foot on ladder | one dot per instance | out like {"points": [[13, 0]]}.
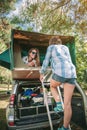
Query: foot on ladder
{"points": [[62, 128], [58, 107]]}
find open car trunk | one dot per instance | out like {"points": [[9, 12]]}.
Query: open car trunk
{"points": [[31, 108]]}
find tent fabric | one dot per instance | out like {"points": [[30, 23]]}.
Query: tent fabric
{"points": [[5, 59]]}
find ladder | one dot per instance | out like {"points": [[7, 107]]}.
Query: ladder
{"points": [[46, 102], [47, 107]]}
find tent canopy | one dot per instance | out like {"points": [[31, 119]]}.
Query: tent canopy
{"points": [[5, 59]]}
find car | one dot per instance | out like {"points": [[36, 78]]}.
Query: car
{"points": [[27, 108]]}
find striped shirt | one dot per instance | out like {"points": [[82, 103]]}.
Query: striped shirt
{"points": [[61, 64]]}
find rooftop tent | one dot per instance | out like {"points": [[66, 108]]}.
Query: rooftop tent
{"points": [[5, 59], [22, 40], [39, 40]]}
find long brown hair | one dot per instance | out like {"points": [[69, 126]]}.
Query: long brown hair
{"points": [[37, 58], [55, 40]]}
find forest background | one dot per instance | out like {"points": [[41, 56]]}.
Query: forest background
{"points": [[62, 17]]}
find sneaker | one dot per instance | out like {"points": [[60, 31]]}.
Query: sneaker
{"points": [[62, 128], [58, 108]]}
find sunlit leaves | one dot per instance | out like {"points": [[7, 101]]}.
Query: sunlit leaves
{"points": [[6, 6]]}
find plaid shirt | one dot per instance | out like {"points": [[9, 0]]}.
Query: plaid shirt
{"points": [[61, 64]]}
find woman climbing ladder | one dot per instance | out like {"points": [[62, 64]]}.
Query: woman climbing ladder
{"points": [[63, 71]]}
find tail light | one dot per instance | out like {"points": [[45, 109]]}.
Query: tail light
{"points": [[11, 123], [11, 120], [12, 100]]}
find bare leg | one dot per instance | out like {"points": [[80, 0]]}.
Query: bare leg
{"points": [[53, 87], [68, 92]]}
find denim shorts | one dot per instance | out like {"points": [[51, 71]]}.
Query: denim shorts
{"points": [[63, 80]]}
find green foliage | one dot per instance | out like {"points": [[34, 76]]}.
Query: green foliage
{"points": [[15, 20], [5, 75], [55, 17], [6, 6], [5, 27], [4, 33], [81, 56]]}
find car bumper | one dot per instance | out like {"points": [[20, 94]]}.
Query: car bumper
{"points": [[35, 125]]}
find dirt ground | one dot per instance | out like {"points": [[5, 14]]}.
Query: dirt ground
{"points": [[3, 103], [4, 100], [4, 97]]}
